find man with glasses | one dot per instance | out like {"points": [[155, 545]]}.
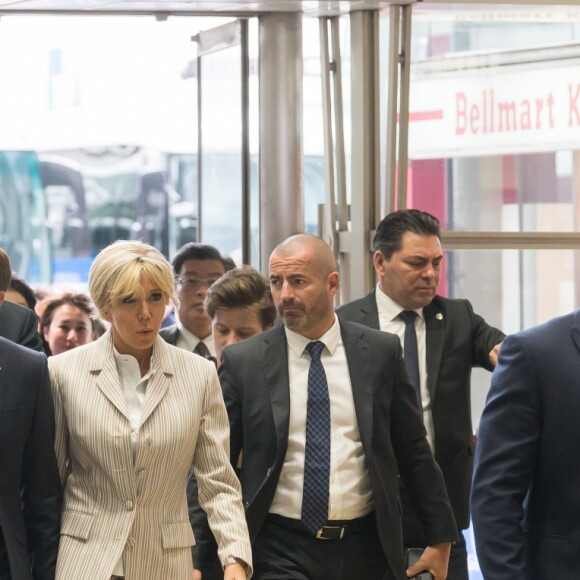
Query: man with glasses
{"points": [[196, 268]]}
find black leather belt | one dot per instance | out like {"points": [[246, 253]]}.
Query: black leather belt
{"points": [[333, 530]]}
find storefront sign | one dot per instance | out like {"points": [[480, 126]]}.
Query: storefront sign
{"points": [[495, 110]]}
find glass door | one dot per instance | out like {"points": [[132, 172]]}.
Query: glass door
{"points": [[224, 159]]}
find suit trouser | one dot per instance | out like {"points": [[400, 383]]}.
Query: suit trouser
{"points": [[414, 537], [458, 560], [284, 550]]}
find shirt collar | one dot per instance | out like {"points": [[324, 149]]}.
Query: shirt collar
{"points": [[191, 339], [121, 360], [330, 338], [389, 308]]}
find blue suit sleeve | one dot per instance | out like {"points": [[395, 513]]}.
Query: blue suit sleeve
{"points": [[509, 434], [41, 489]]}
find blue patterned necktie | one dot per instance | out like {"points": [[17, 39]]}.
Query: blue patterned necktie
{"points": [[411, 352], [317, 451]]}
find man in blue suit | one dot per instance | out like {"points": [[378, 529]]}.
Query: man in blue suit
{"points": [[526, 487], [30, 491]]}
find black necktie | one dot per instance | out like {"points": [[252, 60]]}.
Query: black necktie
{"points": [[317, 451], [411, 352], [202, 350]]}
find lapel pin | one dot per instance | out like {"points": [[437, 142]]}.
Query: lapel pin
{"points": [[439, 316]]}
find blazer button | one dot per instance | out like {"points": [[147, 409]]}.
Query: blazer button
{"points": [[129, 505]]}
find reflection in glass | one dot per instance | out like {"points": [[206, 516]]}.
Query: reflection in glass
{"points": [[493, 125], [221, 151]]}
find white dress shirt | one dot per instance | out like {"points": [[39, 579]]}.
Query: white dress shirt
{"points": [[188, 341], [134, 387], [389, 321], [350, 486]]}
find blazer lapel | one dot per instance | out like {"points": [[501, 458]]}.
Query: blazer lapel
{"points": [[275, 361], [156, 389], [159, 382], [358, 358], [435, 337], [108, 377], [370, 311], [3, 378]]}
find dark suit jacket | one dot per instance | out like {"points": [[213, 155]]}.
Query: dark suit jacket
{"points": [[170, 334], [255, 383], [457, 340], [30, 490], [20, 325], [526, 485]]}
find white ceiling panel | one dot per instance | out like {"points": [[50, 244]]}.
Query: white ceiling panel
{"points": [[242, 7], [192, 6]]}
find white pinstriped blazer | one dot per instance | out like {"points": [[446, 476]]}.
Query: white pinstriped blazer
{"points": [[113, 504]]}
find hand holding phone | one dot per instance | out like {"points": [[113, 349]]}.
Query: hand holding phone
{"points": [[412, 556]]}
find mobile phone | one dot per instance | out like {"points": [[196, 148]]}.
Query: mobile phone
{"points": [[412, 555]]}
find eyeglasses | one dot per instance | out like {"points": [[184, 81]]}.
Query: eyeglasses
{"points": [[195, 283]]}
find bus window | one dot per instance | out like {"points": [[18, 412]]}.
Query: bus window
{"points": [[23, 232]]}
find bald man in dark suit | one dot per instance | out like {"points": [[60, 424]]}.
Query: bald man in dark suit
{"points": [[328, 507]]}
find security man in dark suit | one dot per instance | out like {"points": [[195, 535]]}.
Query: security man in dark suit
{"points": [[30, 490], [326, 419], [451, 339]]}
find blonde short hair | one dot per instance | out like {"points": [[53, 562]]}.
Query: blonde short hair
{"points": [[116, 272]]}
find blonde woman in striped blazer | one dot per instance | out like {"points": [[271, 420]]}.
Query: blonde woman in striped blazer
{"points": [[133, 415]]}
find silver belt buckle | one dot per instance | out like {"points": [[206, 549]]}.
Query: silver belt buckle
{"points": [[320, 534]]}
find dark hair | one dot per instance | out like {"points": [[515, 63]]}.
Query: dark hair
{"points": [[229, 263], [396, 224], [242, 287], [5, 271], [80, 301], [193, 251], [19, 285], [99, 328]]}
